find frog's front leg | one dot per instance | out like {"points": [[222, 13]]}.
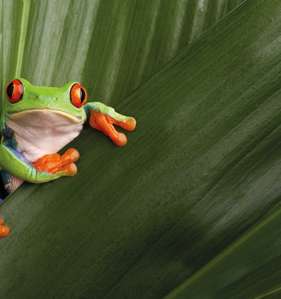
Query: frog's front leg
{"points": [[47, 168], [12, 163], [103, 118]]}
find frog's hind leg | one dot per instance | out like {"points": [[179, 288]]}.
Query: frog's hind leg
{"points": [[4, 230], [8, 184], [11, 183]]}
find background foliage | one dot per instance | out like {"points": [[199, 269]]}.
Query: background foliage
{"points": [[111, 46], [185, 210]]}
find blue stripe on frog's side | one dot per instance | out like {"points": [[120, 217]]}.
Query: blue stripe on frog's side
{"points": [[10, 142], [9, 139]]}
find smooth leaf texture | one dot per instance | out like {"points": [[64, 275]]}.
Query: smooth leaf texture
{"points": [[202, 168], [250, 268], [111, 46]]}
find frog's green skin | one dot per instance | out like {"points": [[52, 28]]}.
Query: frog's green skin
{"points": [[48, 107]]}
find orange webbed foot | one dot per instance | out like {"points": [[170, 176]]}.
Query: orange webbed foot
{"points": [[56, 163], [105, 124]]}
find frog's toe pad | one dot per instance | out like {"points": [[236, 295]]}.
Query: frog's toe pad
{"points": [[70, 155], [69, 170], [4, 231], [120, 139], [129, 124]]}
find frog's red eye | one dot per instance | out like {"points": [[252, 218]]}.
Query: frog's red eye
{"points": [[15, 91], [78, 95]]}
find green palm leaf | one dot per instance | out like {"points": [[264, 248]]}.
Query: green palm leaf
{"points": [[185, 209]]}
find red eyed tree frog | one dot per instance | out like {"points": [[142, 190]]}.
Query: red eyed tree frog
{"points": [[39, 121]]}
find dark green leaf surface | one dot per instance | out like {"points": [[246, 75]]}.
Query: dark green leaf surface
{"points": [[249, 268], [202, 168]]}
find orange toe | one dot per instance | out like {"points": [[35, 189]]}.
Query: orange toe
{"points": [[129, 124], [4, 231], [54, 163], [1, 221], [105, 124], [69, 170], [120, 139], [71, 155]]}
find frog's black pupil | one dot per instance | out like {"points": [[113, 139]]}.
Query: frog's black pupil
{"points": [[10, 90], [82, 94]]}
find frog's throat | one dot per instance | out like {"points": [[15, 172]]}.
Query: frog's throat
{"points": [[40, 132], [74, 119]]}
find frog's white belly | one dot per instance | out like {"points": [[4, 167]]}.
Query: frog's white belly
{"points": [[42, 132]]}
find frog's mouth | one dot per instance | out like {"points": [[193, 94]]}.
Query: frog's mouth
{"points": [[45, 113]]}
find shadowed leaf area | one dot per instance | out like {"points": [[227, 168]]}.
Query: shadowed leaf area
{"points": [[190, 208]]}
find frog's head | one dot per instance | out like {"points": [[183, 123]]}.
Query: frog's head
{"points": [[25, 99]]}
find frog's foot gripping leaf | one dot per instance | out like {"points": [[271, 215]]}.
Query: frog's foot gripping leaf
{"points": [[4, 229], [103, 118], [59, 164]]}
